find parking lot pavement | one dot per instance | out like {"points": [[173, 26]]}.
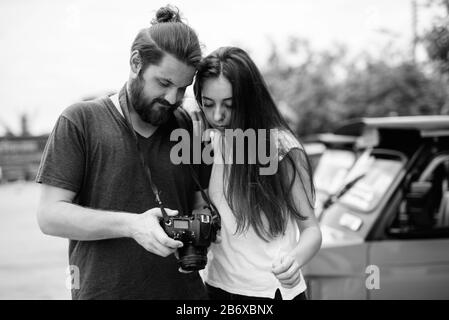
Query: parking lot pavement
{"points": [[32, 265]]}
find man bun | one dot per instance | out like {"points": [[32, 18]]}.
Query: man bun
{"points": [[167, 14], [167, 34]]}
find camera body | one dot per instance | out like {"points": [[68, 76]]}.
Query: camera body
{"points": [[196, 232]]}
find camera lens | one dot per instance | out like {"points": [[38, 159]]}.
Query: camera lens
{"points": [[192, 258]]}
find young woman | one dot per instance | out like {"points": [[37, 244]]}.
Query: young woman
{"points": [[269, 230]]}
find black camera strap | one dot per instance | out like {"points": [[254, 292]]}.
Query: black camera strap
{"points": [[185, 122], [124, 103]]}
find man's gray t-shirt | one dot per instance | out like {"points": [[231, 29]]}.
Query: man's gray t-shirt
{"points": [[92, 152]]}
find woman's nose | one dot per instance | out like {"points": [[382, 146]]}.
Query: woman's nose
{"points": [[218, 114]]}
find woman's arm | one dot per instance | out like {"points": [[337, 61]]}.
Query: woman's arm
{"points": [[287, 268]]}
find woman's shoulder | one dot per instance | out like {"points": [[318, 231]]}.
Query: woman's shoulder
{"points": [[286, 141]]}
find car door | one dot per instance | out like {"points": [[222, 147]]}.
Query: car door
{"points": [[414, 264], [337, 271], [410, 269]]}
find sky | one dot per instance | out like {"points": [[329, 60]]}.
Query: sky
{"points": [[55, 52]]}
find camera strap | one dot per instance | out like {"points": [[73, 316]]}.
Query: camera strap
{"points": [[184, 122], [124, 105]]}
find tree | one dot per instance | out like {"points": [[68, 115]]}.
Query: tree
{"points": [[326, 87], [437, 44], [381, 89], [437, 38]]}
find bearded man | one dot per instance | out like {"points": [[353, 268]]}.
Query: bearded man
{"points": [[94, 187]]}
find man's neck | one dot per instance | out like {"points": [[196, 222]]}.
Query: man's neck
{"points": [[143, 128]]}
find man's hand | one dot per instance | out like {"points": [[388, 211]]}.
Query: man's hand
{"points": [[147, 231], [287, 270]]}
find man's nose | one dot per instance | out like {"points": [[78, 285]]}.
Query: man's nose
{"points": [[170, 96]]}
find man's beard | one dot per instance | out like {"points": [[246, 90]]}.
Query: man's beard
{"points": [[156, 112]]}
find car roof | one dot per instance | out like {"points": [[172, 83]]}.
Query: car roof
{"points": [[314, 148], [365, 132], [434, 125], [331, 139]]}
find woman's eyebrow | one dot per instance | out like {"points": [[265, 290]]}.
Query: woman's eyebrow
{"points": [[207, 98]]}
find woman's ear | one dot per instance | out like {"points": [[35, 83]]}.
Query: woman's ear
{"points": [[135, 63]]}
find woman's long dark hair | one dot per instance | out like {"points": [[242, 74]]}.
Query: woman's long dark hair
{"points": [[252, 196]]}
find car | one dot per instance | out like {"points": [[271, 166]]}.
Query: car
{"points": [[314, 151], [382, 187]]}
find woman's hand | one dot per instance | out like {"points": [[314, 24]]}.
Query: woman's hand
{"points": [[218, 237], [287, 270]]}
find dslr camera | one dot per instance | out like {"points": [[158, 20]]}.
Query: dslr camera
{"points": [[196, 232]]}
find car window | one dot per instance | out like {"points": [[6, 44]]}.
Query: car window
{"points": [[378, 174], [424, 211], [332, 169]]}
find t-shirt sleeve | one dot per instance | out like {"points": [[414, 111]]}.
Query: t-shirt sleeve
{"points": [[289, 145], [286, 143], [63, 161], [303, 172]]}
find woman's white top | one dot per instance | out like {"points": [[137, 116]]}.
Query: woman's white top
{"points": [[242, 262]]}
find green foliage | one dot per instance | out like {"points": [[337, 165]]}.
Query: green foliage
{"points": [[384, 90], [438, 45], [328, 87], [436, 39]]}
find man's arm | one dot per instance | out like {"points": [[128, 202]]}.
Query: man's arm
{"points": [[58, 216]]}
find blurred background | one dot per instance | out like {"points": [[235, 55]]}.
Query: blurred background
{"points": [[325, 62]]}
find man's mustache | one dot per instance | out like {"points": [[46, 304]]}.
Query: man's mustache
{"points": [[165, 103]]}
